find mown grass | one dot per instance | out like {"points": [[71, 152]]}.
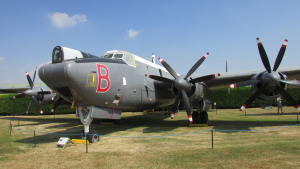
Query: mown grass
{"points": [[277, 148]]}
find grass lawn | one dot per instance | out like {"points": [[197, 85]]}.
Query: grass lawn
{"points": [[275, 148]]}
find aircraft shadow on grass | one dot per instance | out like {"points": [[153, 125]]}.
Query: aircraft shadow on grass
{"points": [[149, 123]]}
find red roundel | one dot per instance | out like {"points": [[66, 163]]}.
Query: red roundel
{"points": [[103, 75]]}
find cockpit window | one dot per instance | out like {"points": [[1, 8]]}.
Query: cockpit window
{"points": [[107, 55], [125, 56], [57, 55], [118, 56]]}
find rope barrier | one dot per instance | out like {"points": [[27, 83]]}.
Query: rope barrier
{"points": [[174, 135]]}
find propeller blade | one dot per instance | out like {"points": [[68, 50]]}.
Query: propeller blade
{"points": [[187, 105], [280, 55], [34, 75], [45, 92], [174, 108], [162, 79], [56, 104], [204, 78], [29, 80], [28, 107], [263, 55], [36, 103], [288, 97], [168, 67], [253, 97], [19, 96], [291, 82], [195, 67], [244, 83]]}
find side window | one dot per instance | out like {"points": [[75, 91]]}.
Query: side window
{"points": [[129, 59], [160, 72]]}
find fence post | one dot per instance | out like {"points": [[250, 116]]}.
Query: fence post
{"points": [[212, 138], [86, 143], [34, 139], [10, 127], [54, 116], [245, 113], [297, 117]]}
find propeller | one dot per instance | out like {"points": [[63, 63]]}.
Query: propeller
{"points": [[35, 95], [270, 79], [57, 103], [182, 84]]}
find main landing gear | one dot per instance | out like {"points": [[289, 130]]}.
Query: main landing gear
{"points": [[201, 118]]}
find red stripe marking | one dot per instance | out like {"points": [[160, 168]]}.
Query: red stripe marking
{"points": [[283, 45], [258, 44], [219, 74], [207, 53], [162, 61], [244, 105], [150, 76], [297, 106], [213, 75], [120, 100], [203, 57], [234, 85], [286, 40], [146, 75], [190, 116]]}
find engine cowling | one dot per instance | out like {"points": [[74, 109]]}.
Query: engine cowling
{"points": [[269, 93]]}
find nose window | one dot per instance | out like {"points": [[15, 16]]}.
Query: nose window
{"points": [[57, 55]]}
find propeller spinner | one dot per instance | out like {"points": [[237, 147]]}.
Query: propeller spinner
{"points": [[182, 84]]}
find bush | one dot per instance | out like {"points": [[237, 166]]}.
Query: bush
{"points": [[20, 105], [238, 97]]}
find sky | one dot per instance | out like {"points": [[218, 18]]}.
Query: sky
{"points": [[178, 31]]}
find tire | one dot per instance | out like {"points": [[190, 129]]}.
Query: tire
{"points": [[204, 117], [195, 116], [93, 136]]}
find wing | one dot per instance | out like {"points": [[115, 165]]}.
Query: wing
{"points": [[228, 78], [13, 90]]}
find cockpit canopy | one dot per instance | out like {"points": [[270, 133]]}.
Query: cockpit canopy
{"points": [[60, 54], [123, 55]]}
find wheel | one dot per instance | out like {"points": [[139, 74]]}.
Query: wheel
{"points": [[204, 117], [93, 136], [195, 116]]}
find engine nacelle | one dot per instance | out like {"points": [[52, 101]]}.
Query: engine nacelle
{"points": [[268, 94], [199, 94]]}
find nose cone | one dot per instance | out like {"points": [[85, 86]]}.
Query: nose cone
{"points": [[30, 93], [182, 84]]}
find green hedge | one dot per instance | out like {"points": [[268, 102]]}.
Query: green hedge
{"points": [[8, 105], [238, 97]]}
